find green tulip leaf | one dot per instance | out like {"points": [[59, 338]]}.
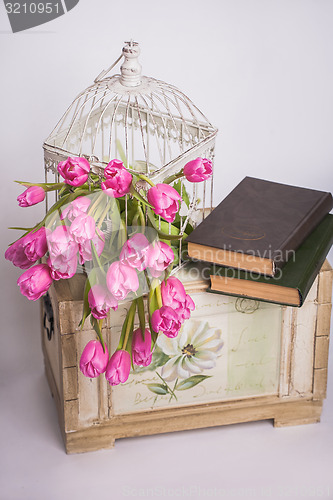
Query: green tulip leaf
{"points": [[163, 236], [190, 382], [96, 326], [184, 194], [138, 196], [90, 281], [141, 313], [121, 152]]}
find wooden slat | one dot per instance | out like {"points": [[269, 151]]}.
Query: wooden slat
{"points": [[323, 320], [71, 414], [325, 287], [321, 352], [69, 350], [70, 384], [319, 383]]}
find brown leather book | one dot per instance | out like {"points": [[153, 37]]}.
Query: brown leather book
{"points": [[259, 225]]}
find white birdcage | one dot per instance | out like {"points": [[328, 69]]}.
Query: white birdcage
{"points": [[149, 124]]}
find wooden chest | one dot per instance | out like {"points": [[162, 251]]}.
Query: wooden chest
{"points": [[272, 365]]}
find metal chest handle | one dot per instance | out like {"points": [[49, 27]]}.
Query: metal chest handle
{"points": [[48, 315]]}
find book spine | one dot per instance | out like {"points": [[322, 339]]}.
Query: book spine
{"points": [[303, 230], [314, 265]]}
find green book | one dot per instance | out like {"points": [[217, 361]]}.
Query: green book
{"points": [[291, 284]]}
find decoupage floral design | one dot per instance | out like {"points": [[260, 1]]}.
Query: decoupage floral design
{"points": [[186, 359]]}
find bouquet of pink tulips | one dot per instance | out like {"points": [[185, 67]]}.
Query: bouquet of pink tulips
{"points": [[123, 245]]}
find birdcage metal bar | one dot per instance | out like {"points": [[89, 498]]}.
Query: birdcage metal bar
{"points": [[112, 123], [166, 135], [142, 133], [87, 121], [100, 125], [155, 128]]}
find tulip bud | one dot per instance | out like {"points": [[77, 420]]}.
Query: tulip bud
{"points": [[83, 228], [173, 293], [117, 179], [121, 279], [165, 200], [141, 349], [174, 296], [198, 170], [74, 170], [85, 251], [118, 368], [94, 360], [100, 301], [28, 249], [35, 282], [31, 196], [77, 207], [167, 321], [159, 257], [134, 252]]}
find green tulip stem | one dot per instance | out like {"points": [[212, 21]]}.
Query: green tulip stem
{"points": [[141, 217], [159, 296], [142, 177], [129, 326], [97, 325], [102, 217], [95, 203], [173, 177]]}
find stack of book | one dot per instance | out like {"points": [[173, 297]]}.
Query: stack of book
{"points": [[265, 241]]}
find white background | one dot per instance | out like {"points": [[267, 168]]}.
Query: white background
{"points": [[262, 71]]}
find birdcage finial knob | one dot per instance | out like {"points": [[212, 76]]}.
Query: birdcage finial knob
{"points": [[131, 68]]}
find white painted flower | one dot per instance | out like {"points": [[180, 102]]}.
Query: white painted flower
{"points": [[194, 350]]}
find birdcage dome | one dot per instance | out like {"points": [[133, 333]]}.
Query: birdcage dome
{"points": [[151, 125]]}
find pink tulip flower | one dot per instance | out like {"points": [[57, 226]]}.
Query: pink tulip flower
{"points": [[141, 349], [61, 243], [74, 170], [198, 170], [85, 252], [118, 368], [27, 250], [16, 254], [165, 201], [35, 282], [62, 268], [166, 320], [121, 279], [173, 294], [78, 207], [31, 196], [94, 360], [83, 228], [117, 179], [188, 306], [101, 301], [36, 244], [160, 256], [134, 252]]}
